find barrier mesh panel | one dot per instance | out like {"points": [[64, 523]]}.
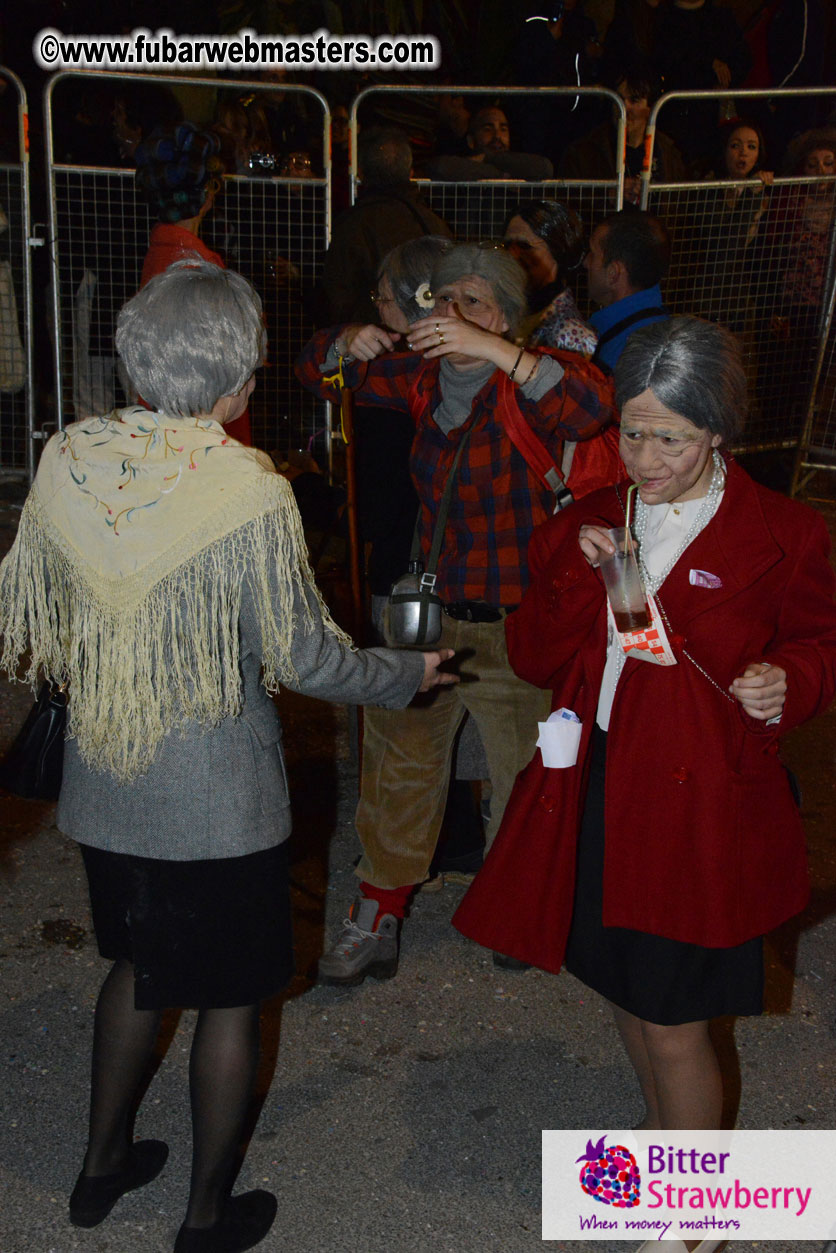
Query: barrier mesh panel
{"points": [[821, 448], [14, 428], [273, 231], [755, 260]]}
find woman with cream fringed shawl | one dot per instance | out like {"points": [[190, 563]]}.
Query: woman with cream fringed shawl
{"points": [[159, 566]]}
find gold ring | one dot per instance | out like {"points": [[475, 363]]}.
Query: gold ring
{"points": [[437, 329], [440, 338]]}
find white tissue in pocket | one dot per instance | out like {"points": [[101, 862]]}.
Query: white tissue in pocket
{"points": [[560, 739]]}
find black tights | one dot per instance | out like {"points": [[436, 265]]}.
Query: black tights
{"points": [[222, 1068]]}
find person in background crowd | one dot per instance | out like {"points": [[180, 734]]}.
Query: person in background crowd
{"points": [[594, 155], [246, 143], [453, 125], [630, 37], [138, 109], [729, 225], [788, 42], [792, 252], [388, 211], [629, 255], [293, 119], [490, 154], [340, 160], [547, 239], [179, 174], [698, 45], [659, 898], [465, 384], [557, 47]]}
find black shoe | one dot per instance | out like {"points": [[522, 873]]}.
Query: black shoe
{"points": [[246, 1220], [94, 1197], [509, 963]]}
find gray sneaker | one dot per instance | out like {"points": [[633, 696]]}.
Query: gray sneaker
{"points": [[361, 951]]}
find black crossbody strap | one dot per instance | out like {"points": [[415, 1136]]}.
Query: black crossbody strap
{"points": [[640, 315], [441, 519]]}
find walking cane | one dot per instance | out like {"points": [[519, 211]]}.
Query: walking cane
{"points": [[347, 432], [355, 581]]}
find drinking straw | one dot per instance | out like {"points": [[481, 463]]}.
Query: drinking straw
{"points": [[628, 514]]}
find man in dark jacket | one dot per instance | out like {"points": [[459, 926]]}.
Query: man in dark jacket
{"points": [[388, 211]]}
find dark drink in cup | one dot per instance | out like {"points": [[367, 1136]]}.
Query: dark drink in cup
{"points": [[623, 581], [631, 619]]}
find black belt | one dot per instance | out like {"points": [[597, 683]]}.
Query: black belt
{"points": [[477, 611]]}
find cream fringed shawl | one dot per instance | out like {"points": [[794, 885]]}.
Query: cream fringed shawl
{"points": [[126, 577]]}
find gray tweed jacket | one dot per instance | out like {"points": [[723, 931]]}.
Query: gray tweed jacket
{"points": [[222, 791]]}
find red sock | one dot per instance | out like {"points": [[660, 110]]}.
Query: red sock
{"points": [[389, 900]]}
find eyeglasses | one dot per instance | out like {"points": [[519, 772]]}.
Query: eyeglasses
{"points": [[377, 299], [670, 445]]}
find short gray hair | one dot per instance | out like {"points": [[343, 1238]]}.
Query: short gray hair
{"points": [[192, 335], [409, 266], [693, 367], [505, 277]]}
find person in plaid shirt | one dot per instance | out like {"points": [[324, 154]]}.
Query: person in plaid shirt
{"points": [[452, 376]]}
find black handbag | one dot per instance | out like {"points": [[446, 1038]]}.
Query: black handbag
{"points": [[35, 762]]}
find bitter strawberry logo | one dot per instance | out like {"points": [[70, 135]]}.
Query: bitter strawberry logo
{"points": [[610, 1174]]}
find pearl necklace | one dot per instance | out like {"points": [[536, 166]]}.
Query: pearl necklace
{"points": [[703, 516]]}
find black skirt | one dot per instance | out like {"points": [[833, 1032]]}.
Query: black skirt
{"points": [[659, 980], [207, 934]]}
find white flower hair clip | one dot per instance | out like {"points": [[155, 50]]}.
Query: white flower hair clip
{"points": [[424, 297]]}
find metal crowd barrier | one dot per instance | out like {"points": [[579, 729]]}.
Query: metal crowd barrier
{"points": [[817, 446], [478, 210], [274, 230], [16, 390], [734, 256], [743, 256]]}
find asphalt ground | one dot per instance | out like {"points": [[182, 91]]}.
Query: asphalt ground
{"points": [[397, 1115]]}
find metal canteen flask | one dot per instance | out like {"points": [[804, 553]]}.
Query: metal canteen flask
{"points": [[413, 613]]}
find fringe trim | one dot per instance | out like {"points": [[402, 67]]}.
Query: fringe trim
{"points": [[140, 666]]}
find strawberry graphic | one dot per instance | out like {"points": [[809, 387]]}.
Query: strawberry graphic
{"points": [[610, 1174]]}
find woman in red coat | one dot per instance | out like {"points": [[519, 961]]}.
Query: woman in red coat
{"points": [[655, 865]]}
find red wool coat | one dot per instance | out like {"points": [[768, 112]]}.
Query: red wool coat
{"points": [[704, 842]]}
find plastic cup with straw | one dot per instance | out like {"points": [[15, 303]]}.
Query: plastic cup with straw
{"points": [[622, 579]]}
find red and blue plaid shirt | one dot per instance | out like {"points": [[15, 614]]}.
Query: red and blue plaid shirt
{"points": [[497, 500]]}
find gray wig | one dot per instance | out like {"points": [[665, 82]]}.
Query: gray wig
{"points": [[505, 277], [192, 335], [693, 367], [408, 267]]}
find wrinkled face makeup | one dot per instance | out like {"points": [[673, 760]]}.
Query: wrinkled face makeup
{"points": [[389, 312], [531, 252], [665, 449], [742, 152], [474, 300]]}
